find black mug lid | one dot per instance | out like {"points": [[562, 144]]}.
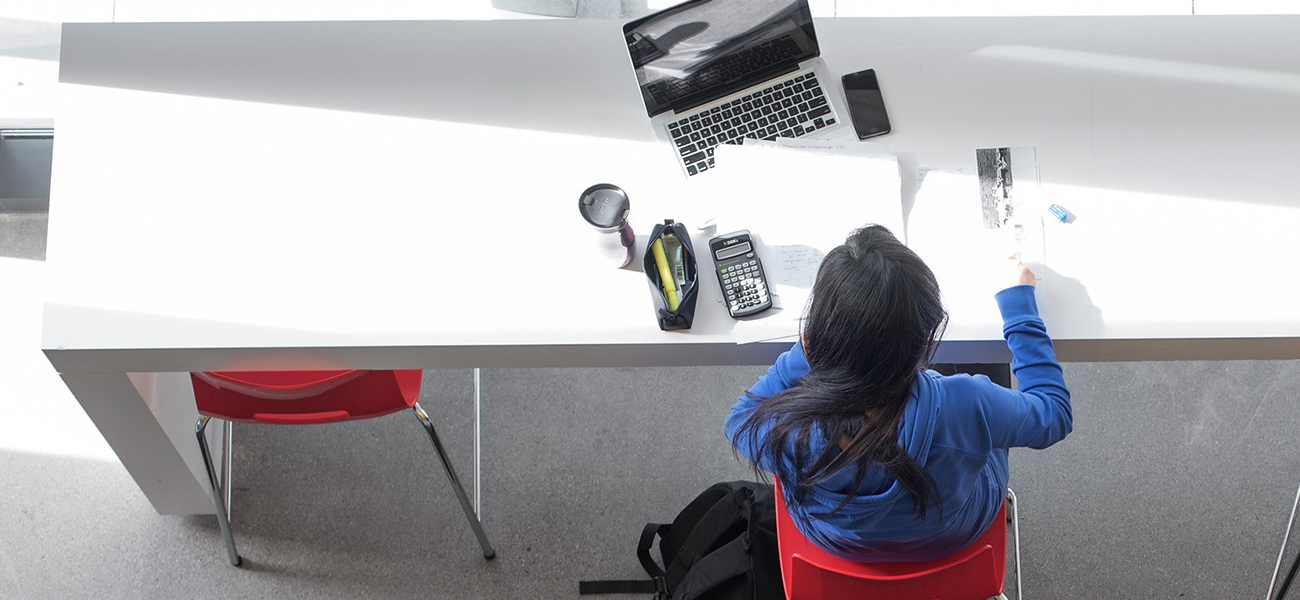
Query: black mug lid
{"points": [[604, 205]]}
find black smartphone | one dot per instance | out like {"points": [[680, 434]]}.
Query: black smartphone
{"points": [[866, 104]]}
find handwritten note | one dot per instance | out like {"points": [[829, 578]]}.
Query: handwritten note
{"points": [[794, 266]]}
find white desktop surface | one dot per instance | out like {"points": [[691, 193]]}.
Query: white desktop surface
{"points": [[315, 195]]}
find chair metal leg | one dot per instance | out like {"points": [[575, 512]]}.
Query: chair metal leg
{"points": [[227, 447], [1015, 529], [478, 470], [465, 504], [1295, 565], [222, 507]]}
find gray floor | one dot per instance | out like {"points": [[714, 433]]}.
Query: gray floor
{"points": [[1176, 483], [22, 235]]}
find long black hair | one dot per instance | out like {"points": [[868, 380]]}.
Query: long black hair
{"points": [[871, 324]]}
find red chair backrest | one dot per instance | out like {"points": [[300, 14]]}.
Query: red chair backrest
{"points": [[975, 572], [300, 397]]}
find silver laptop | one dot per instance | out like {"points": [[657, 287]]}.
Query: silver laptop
{"points": [[720, 71]]}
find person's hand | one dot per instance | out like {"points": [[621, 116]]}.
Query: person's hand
{"points": [[1021, 275]]}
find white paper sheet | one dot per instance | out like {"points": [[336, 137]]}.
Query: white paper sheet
{"points": [[948, 228], [848, 185]]}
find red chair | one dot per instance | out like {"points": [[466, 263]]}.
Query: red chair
{"points": [[304, 397], [975, 572]]}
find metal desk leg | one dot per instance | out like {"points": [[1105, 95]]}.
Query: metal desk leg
{"points": [[478, 491], [1294, 565]]}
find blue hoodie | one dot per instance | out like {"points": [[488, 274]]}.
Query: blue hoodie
{"points": [[958, 428]]}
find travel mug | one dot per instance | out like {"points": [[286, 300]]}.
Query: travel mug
{"points": [[605, 206]]}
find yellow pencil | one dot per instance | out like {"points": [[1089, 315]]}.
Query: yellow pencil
{"points": [[665, 274]]}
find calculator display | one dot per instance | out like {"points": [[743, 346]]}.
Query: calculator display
{"points": [[736, 250]]}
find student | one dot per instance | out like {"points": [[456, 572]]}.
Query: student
{"points": [[882, 460]]}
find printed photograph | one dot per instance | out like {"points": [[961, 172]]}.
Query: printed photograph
{"points": [[996, 186]]}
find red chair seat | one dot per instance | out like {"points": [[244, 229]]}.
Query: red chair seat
{"points": [[300, 397], [975, 572]]}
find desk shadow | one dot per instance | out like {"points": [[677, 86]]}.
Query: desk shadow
{"points": [[1246, 157], [1060, 299], [419, 69], [23, 38], [1065, 298], [910, 181], [1187, 108]]}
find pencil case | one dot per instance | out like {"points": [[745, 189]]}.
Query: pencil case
{"points": [[669, 256]]}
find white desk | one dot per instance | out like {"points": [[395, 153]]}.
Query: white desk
{"points": [[317, 195]]}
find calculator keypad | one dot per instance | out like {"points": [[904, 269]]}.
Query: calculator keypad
{"points": [[743, 286]]}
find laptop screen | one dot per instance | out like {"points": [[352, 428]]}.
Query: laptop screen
{"points": [[702, 50]]}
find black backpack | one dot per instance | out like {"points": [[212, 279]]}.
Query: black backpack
{"points": [[722, 546]]}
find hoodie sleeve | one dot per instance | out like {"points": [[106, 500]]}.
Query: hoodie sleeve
{"points": [[789, 368], [1039, 413]]}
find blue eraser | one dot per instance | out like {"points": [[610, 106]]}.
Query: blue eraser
{"points": [[1059, 213]]}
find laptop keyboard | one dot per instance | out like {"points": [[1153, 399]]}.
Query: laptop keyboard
{"points": [[792, 108]]}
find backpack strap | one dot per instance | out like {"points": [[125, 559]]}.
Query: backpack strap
{"points": [[648, 534], [625, 586], [656, 585]]}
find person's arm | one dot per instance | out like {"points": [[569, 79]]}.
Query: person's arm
{"points": [[1038, 414], [789, 368]]}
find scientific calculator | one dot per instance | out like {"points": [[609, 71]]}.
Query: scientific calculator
{"points": [[740, 273]]}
